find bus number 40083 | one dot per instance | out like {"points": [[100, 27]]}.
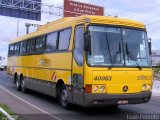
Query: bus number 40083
{"points": [[106, 78]]}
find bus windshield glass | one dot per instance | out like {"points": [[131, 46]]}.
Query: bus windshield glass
{"points": [[116, 46]]}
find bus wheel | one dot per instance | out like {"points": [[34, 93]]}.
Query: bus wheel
{"points": [[18, 83], [23, 85], [63, 98]]}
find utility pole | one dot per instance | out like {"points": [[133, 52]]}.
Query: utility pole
{"points": [[18, 27]]}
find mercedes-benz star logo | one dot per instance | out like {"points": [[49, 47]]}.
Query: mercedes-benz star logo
{"points": [[125, 88]]}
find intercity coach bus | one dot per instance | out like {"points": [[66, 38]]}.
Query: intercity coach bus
{"points": [[87, 61]]}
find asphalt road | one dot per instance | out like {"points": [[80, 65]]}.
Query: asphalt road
{"points": [[36, 106]]}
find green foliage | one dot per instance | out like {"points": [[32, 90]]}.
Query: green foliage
{"points": [[156, 70], [158, 65], [6, 108]]}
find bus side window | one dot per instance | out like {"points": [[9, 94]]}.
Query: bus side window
{"points": [[28, 46], [51, 42], [11, 49], [16, 48], [31, 46], [64, 39], [40, 44], [23, 47], [79, 44]]}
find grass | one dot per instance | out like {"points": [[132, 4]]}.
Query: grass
{"points": [[156, 73], [156, 70], [7, 109]]}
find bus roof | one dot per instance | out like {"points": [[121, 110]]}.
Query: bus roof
{"points": [[69, 21]]}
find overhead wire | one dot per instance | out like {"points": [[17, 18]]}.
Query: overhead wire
{"points": [[140, 9], [144, 10]]}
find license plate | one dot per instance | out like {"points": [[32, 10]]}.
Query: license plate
{"points": [[121, 102]]}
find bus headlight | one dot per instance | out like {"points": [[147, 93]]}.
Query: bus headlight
{"points": [[102, 88], [95, 89], [144, 87], [148, 87]]}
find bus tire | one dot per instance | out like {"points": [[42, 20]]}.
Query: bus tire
{"points": [[63, 98], [18, 83], [23, 85]]}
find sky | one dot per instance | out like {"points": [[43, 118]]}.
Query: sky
{"points": [[146, 11]]}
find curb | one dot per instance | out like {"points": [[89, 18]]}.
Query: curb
{"points": [[6, 114]]}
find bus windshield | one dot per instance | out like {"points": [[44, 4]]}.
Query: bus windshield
{"points": [[116, 46]]}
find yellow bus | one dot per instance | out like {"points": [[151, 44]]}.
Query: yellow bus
{"points": [[87, 60]]}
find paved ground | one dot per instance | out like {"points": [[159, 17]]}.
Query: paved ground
{"points": [[36, 106], [156, 88]]}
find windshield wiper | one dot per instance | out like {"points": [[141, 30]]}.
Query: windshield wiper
{"points": [[109, 51], [140, 68], [129, 57], [127, 51], [120, 51]]}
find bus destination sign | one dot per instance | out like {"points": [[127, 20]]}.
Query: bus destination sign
{"points": [[73, 9]]}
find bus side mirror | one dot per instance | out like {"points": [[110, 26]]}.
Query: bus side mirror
{"points": [[87, 41], [150, 46]]}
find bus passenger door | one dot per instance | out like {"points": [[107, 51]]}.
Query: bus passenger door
{"points": [[77, 66]]}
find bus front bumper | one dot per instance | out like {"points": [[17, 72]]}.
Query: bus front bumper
{"points": [[93, 100]]}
